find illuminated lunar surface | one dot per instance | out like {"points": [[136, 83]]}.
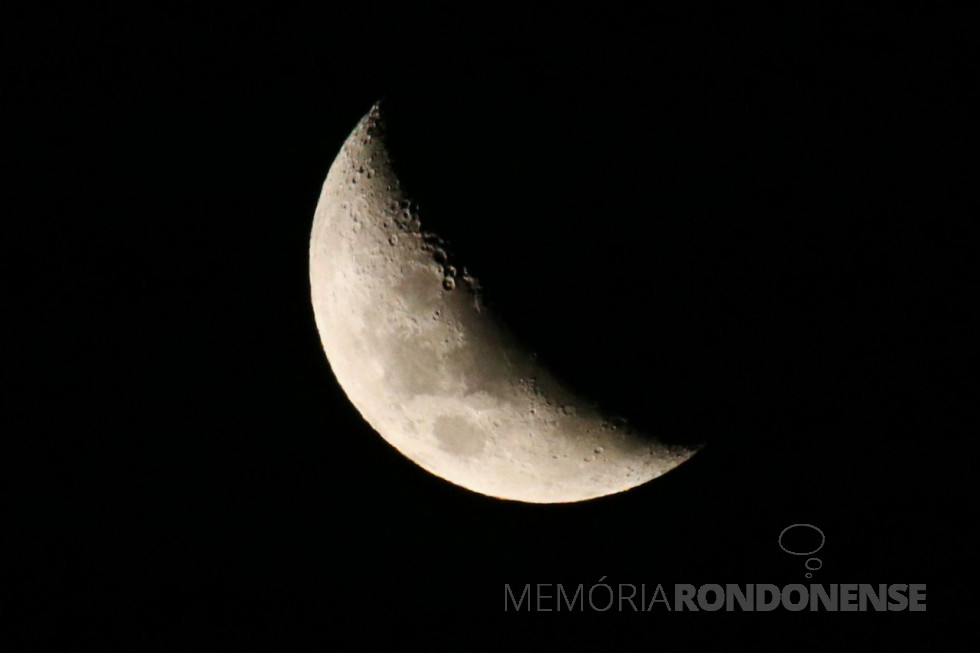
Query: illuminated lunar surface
{"points": [[432, 370]]}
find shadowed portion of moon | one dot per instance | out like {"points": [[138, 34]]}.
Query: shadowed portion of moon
{"points": [[601, 247], [429, 364]]}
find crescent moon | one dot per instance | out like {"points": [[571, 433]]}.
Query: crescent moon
{"points": [[432, 370]]}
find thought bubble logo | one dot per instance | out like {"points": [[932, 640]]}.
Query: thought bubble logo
{"points": [[811, 564]]}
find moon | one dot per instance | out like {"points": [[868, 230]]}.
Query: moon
{"points": [[432, 369]]}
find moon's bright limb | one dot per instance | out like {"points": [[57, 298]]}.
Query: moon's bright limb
{"points": [[432, 370]]}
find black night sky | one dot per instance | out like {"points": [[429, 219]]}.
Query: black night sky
{"points": [[739, 227]]}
